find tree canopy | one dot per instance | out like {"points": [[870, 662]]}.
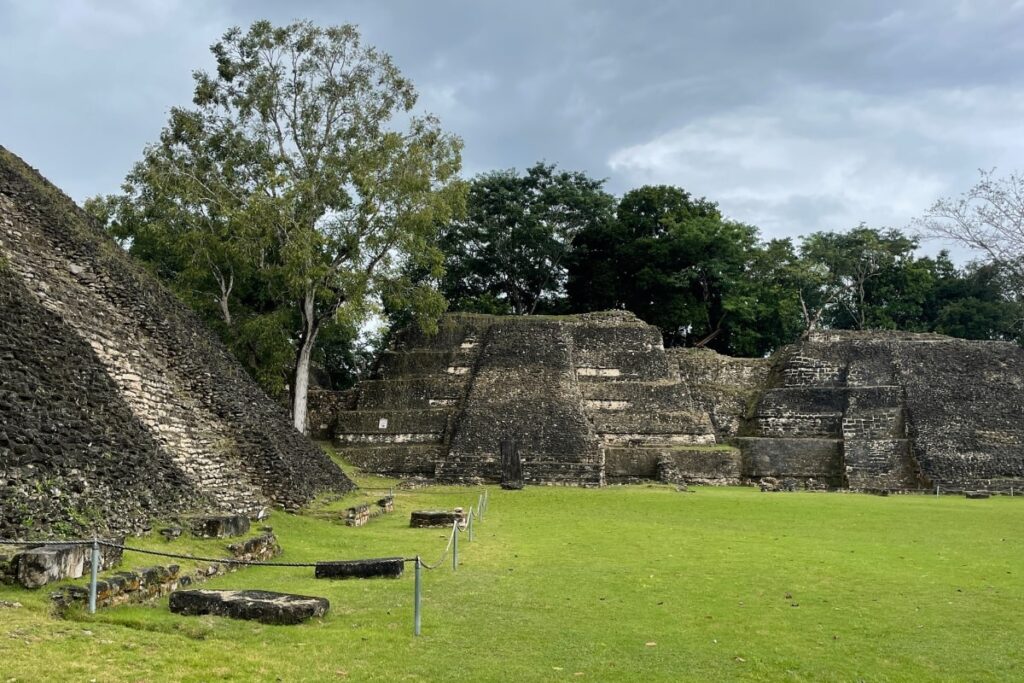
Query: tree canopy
{"points": [[508, 255], [288, 199]]}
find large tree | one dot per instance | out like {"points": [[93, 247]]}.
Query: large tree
{"points": [[509, 253], [676, 262], [297, 190]]}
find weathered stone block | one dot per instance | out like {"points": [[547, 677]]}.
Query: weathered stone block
{"points": [[38, 566], [387, 567], [220, 526], [264, 606]]}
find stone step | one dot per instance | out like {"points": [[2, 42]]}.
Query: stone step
{"points": [[797, 425], [885, 423], [668, 422], [392, 422], [879, 463], [782, 401], [669, 439], [425, 363], [404, 394]]}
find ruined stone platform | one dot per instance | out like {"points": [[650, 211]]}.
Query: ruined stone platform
{"points": [[594, 398], [264, 606]]}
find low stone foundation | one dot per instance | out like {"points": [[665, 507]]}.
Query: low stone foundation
{"points": [[140, 585], [359, 515]]}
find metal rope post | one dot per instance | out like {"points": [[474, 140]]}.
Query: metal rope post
{"points": [[417, 597], [470, 525], [92, 575], [455, 546]]}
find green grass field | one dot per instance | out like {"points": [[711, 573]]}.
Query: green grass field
{"points": [[624, 583]]}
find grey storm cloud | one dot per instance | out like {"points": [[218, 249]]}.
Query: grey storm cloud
{"points": [[794, 116]]}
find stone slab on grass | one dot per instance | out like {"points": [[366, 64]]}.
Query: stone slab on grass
{"points": [[264, 606], [434, 518], [386, 567]]}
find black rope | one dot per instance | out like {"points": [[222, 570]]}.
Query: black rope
{"points": [[224, 560], [48, 542]]}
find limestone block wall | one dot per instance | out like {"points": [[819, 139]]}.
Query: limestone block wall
{"points": [[964, 403], [894, 411], [213, 438]]}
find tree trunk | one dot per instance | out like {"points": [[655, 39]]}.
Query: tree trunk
{"points": [[300, 392]]}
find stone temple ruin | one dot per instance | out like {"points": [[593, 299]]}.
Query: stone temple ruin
{"points": [[595, 399], [117, 406]]}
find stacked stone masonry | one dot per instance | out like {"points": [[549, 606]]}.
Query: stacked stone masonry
{"points": [[595, 399], [116, 404]]}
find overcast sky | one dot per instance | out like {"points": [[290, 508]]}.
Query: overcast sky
{"points": [[794, 116]]}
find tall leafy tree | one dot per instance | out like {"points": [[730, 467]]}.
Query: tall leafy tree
{"points": [[864, 273], [677, 263], [509, 254], [291, 192]]}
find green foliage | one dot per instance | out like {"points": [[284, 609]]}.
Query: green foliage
{"points": [[637, 583], [871, 279], [287, 201], [678, 264], [509, 253]]}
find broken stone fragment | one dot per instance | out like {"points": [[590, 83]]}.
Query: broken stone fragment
{"points": [[263, 606]]}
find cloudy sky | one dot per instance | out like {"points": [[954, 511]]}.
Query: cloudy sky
{"points": [[794, 116]]}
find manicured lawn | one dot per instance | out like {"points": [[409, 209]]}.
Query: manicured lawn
{"points": [[623, 583]]}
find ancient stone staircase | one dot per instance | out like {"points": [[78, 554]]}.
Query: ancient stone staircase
{"points": [[402, 420], [836, 418]]}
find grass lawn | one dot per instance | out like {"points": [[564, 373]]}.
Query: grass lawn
{"points": [[623, 583]]}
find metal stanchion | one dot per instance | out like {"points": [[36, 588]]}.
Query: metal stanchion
{"points": [[417, 597], [470, 525], [455, 547], [92, 575]]}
